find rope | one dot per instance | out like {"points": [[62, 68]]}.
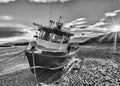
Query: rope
{"points": [[14, 56], [68, 68], [11, 57], [34, 68], [47, 67]]}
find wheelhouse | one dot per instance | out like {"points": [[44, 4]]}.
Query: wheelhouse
{"points": [[53, 38]]}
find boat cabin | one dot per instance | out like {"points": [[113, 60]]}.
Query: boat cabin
{"points": [[53, 38]]}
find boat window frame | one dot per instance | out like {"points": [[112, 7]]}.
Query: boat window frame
{"points": [[56, 35], [65, 41], [43, 34]]}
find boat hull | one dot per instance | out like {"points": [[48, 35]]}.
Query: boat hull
{"points": [[48, 66]]}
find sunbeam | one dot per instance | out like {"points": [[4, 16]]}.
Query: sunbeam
{"points": [[115, 29]]}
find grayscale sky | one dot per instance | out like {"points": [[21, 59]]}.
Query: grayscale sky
{"points": [[23, 13], [27, 12]]}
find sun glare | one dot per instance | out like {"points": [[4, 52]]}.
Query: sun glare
{"points": [[116, 28]]}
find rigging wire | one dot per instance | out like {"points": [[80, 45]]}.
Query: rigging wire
{"points": [[11, 57], [34, 68]]}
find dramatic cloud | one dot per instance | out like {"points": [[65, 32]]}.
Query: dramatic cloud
{"points": [[6, 18], [80, 19], [117, 11], [6, 1], [102, 29], [99, 24], [79, 23], [37, 1], [17, 25], [76, 22], [81, 26], [6, 32], [15, 30], [95, 29], [47, 1], [102, 19], [110, 14]]}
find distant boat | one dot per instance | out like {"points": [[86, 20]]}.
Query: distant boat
{"points": [[50, 53]]}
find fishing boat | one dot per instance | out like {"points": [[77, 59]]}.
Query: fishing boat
{"points": [[50, 53]]}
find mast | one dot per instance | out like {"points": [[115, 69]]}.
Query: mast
{"points": [[60, 19], [39, 26], [50, 12]]}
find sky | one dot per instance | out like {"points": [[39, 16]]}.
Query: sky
{"points": [[17, 16]]}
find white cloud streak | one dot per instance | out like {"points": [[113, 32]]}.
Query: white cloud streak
{"points": [[36, 1], [76, 22], [99, 24], [47, 1], [102, 19], [80, 19], [79, 23], [111, 14], [6, 18], [6, 1], [81, 26]]}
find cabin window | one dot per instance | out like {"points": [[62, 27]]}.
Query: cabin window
{"points": [[56, 38], [65, 39], [40, 33], [45, 35]]}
